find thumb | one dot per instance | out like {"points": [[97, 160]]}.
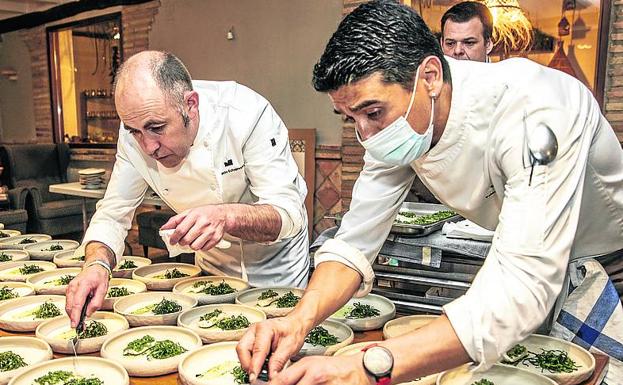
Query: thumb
{"points": [[174, 221], [278, 359]]}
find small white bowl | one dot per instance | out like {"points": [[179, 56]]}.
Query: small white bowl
{"points": [[403, 325], [186, 287], [126, 305], [58, 333], [106, 370], [16, 241], [384, 305], [21, 289], [31, 349], [10, 233], [210, 356], [44, 282], [151, 274], [68, 258], [140, 366], [343, 333], [15, 255], [582, 358], [127, 273], [9, 271], [134, 287], [41, 250], [498, 374], [250, 298], [190, 319], [11, 311]]}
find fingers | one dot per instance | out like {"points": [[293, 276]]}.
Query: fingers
{"points": [[89, 282], [201, 241], [279, 358], [292, 375], [245, 348], [174, 221], [98, 298], [214, 239], [79, 297], [181, 229], [261, 348]]}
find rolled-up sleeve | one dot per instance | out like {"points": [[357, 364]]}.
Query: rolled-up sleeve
{"points": [[524, 271], [114, 212], [273, 174], [377, 195]]}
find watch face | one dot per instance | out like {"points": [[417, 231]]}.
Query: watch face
{"points": [[378, 361]]}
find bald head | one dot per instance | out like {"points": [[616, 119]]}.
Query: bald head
{"points": [[154, 71]]}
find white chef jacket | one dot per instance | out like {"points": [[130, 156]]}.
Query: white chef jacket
{"points": [[241, 154], [480, 168]]}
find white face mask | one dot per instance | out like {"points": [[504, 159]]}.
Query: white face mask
{"points": [[398, 143]]}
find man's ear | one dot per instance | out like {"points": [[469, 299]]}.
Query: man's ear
{"points": [[489, 46], [433, 74], [191, 101]]}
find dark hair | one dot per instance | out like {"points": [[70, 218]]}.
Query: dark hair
{"points": [[467, 10], [172, 77], [379, 36]]}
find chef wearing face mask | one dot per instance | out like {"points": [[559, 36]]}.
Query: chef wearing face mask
{"points": [[464, 128]]}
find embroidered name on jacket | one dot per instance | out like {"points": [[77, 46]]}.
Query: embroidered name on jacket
{"points": [[232, 170]]}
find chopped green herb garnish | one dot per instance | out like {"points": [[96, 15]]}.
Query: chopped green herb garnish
{"points": [[59, 377], [554, 361], [361, 310], [174, 274], [153, 349], [93, 329], [80, 258], [7, 293], [56, 247], [47, 310], [483, 381], [11, 361], [4, 235], [234, 322], [121, 291], [85, 381], [288, 300], [166, 307], [62, 281], [321, 336], [515, 353], [27, 241], [138, 345], [240, 376], [213, 314], [30, 269], [127, 264], [411, 218], [220, 289], [5, 257], [268, 294]]}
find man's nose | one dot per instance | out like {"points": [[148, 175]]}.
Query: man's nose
{"points": [[459, 49], [150, 145]]}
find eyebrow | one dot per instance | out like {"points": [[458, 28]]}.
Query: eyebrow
{"points": [[152, 122], [360, 106]]}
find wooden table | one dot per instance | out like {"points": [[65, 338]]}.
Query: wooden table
{"points": [[601, 361]]}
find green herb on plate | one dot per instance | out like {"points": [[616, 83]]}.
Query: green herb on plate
{"points": [[93, 329], [174, 274], [7, 293], [120, 291], [411, 218], [56, 247], [62, 281], [166, 307], [127, 264], [11, 361], [213, 314], [287, 300], [320, 336], [220, 289], [26, 241], [267, 294], [153, 349], [79, 258], [234, 322], [138, 346], [5, 257], [515, 354], [57, 377], [361, 310], [483, 381], [240, 376], [47, 310], [554, 361], [4, 235], [30, 269]]}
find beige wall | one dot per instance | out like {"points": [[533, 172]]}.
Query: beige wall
{"points": [[17, 122], [277, 43]]}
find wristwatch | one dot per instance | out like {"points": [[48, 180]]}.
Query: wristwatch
{"points": [[378, 362]]}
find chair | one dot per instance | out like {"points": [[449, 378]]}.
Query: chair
{"points": [[149, 224], [34, 167]]}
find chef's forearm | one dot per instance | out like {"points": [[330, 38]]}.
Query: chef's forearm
{"points": [[95, 250], [259, 223], [330, 287], [430, 349]]}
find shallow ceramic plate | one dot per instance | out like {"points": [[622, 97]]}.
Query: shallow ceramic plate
{"points": [[192, 287], [221, 358], [21, 289], [16, 241], [385, 306], [68, 258], [356, 348], [31, 349], [582, 358], [14, 255], [190, 319], [153, 275], [10, 271], [15, 314], [126, 306], [343, 333], [133, 287], [250, 298], [42, 250], [498, 374], [10, 233], [58, 332], [404, 325], [110, 372], [139, 365], [49, 282], [127, 273]]}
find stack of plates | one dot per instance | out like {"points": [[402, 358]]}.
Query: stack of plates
{"points": [[92, 178]]}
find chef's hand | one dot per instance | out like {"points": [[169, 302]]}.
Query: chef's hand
{"points": [[325, 371], [201, 228], [92, 281], [283, 336]]}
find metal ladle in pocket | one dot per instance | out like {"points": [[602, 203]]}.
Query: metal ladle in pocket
{"points": [[542, 145]]}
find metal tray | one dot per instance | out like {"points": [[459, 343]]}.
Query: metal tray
{"points": [[415, 230]]}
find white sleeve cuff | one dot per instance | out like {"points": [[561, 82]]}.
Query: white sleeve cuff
{"points": [[339, 251], [287, 225], [456, 311]]}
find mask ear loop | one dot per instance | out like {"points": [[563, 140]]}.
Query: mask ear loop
{"points": [[417, 76]]}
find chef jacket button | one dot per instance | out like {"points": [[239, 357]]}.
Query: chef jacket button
{"points": [[212, 187], [205, 143], [165, 191]]}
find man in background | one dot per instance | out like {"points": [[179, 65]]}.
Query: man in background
{"points": [[466, 31]]}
